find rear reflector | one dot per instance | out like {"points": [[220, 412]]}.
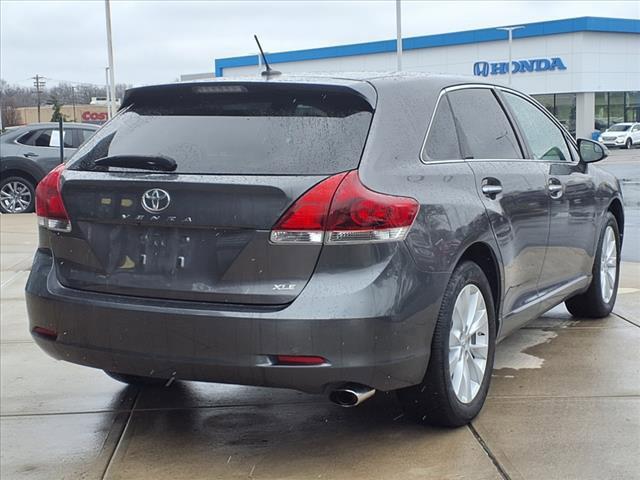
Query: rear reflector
{"points": [[340, 209], [49, 206], [299, 360], [45, 332]]}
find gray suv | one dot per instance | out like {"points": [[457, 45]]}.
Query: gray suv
{"points": [[27, 154], [337, 235]]}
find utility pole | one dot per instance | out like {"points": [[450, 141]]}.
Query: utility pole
{"points": [[398, 36], [39, 84], [510, 30], [112, 81], [73, 101]]}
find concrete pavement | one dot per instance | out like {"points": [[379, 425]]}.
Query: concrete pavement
{"points": [[564, 403]]}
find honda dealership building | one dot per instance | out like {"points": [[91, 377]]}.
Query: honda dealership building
{"points": [[585, 70]]}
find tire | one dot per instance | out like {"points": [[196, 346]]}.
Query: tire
{"points": [[594, 303], [139, 381], [435, 400], [628, 144], [17, 195]]}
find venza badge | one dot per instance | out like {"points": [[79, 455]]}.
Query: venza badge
{"points": [[155, 200]]}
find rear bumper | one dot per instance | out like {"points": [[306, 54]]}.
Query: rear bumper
{"points": [[198, 341]]}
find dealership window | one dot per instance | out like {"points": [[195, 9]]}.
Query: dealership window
{"points": [[616, 107], [562, 106]]}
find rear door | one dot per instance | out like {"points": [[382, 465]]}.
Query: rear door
{"points": [[571, 191], [43, 146], [245, 153], [513, 191]]}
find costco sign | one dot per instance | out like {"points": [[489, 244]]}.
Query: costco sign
{"points": [[94, 117]]}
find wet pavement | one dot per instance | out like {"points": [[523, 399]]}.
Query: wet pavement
{"points": [[564, 403]]}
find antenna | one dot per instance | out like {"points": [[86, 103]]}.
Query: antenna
{"points": [[268, 70]]}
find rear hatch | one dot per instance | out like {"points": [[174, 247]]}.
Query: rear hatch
{"points": [[244, 153]]}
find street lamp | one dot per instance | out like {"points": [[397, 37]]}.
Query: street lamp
{"points": [[398, 36], [112, 81], [510, 30], [107, 90]]}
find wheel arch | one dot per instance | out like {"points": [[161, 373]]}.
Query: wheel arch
{"points": [[19, 173], [22, 167], [616, 209], [484, 256]]}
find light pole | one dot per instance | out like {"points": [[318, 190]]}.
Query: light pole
{"points": [[510, 30], [107, 91], [398, 36], [112, 82]]}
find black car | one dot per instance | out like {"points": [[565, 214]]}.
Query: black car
{"points": [[27, 154], [338, 235]]}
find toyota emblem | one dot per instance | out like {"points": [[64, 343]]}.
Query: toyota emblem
{"points": [[155, 200]]}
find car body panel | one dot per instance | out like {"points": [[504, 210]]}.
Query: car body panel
{"points": [[34, 161], [369, 310]]}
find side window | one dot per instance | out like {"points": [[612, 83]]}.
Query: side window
{"points": [[44, 139], [54, 138], [545, 139], [29, 138], [85, 135], [442, 139], [483, 126]]}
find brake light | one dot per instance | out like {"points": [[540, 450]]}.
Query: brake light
{"points": [[49, 205], [341, 209], [45, 332], [299, 360]]}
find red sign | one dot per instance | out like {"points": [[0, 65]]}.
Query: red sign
{"points": [[94, 116]]}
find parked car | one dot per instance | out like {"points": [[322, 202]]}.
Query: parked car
{"points": [[27, 154], [624, 135], [322, 234]]}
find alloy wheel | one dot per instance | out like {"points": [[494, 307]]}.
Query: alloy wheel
{"points": [[468, 343], [608, 264], [15, 196]]}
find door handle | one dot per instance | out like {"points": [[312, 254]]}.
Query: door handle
{"points": [[491, 187], [555, 188], [30, 154]]}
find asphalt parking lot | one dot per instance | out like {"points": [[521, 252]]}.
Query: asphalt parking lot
{"points": [[564, 403]]}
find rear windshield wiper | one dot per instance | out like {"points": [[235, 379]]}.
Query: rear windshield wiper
{"points": [[143, 162]]}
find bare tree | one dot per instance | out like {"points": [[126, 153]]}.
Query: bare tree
{"points": [[64, 92], [10, 116]]}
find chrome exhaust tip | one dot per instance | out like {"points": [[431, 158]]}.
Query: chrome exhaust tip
{"points": [[351, 395]]}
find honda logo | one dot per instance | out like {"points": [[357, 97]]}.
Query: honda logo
{"points": [[481, 69], [155, 200]]}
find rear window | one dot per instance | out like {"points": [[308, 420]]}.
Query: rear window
{"points": [[270, 129]]}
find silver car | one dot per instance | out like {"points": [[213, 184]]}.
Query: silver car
{"points": [[27, 154]]}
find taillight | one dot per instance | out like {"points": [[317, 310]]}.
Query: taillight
{"points": [[49, 206], [299, 360], [341, 209]]}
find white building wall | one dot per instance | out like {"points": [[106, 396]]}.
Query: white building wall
{"points": [[595, 61]]}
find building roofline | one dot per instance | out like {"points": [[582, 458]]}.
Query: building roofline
{"points": [[537, 29]]}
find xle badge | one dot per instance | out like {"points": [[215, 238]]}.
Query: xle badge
{"points": [[284, 286]]}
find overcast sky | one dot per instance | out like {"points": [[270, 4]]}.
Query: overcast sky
{"points": [[156, 41]]}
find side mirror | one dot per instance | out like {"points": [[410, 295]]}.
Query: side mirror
{"points": [[591, 151]]}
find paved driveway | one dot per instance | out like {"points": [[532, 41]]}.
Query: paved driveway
{"points": [[564, 403]]}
